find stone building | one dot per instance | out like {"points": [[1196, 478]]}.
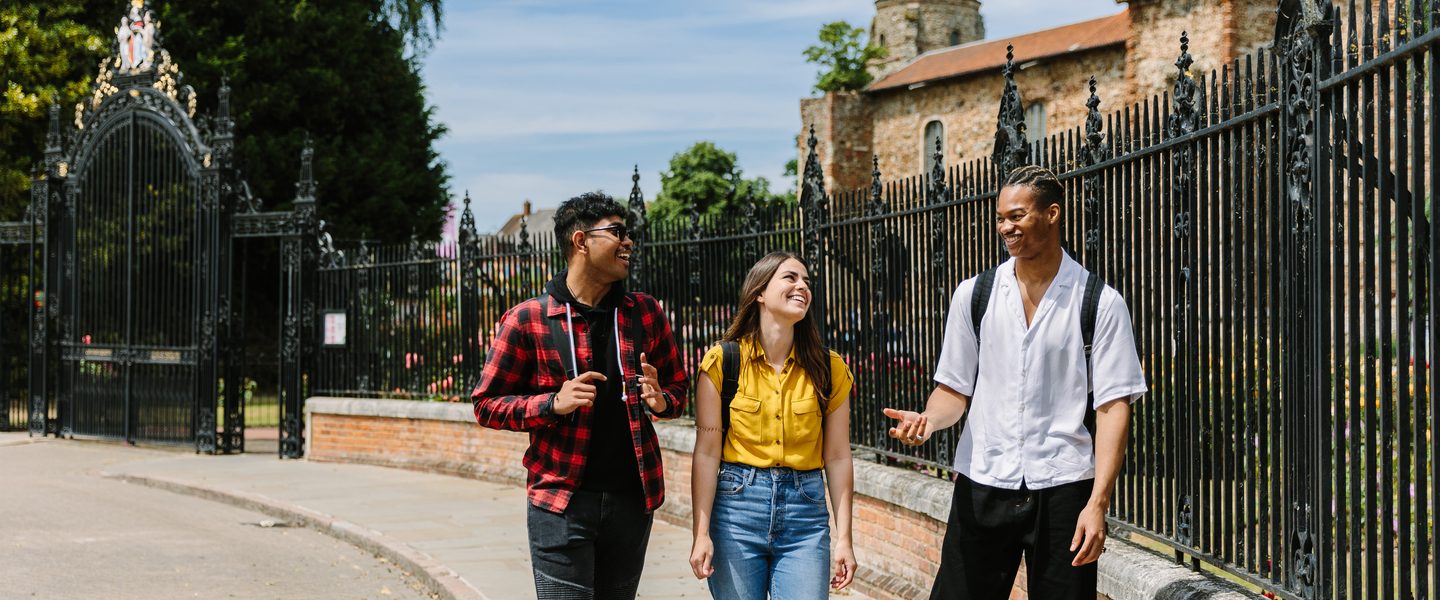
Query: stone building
{"points": [[942, 81]]}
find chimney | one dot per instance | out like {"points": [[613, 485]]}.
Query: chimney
{"points": [[527, 208]]}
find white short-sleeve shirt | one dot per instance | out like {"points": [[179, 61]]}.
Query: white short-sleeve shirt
{"points": [[1027, 401]]}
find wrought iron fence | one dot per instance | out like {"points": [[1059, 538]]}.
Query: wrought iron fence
{"points": [[1269, 226], [15, 296]]}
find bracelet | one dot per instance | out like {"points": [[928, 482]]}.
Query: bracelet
{"points": [[714, 429]]}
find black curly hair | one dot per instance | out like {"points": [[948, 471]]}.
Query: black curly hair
{"points": [[583, 212]]}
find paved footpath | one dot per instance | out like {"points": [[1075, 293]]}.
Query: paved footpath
{"points": [[67, 531], [463, 535]]}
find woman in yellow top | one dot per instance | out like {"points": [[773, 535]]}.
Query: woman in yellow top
{"points": [[761, 524]]}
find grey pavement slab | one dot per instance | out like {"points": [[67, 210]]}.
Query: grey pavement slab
{"points": [[475, 528], [67, 531], [465, 537]]}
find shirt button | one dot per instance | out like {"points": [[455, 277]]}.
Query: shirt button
{"points": [[777, 442], [777, 417]]}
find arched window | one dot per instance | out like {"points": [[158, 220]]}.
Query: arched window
{"points": [[934, 132], [1035, 122], [954, 37]]}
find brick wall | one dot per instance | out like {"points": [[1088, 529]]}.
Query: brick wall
{"points": [[898, 547], [428, 444], [899, 516]]}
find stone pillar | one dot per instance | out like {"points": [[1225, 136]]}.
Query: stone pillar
{"points": [[845, 130]]}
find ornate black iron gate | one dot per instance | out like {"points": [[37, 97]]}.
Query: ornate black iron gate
{"points": [[132, 223], [136, 243]]}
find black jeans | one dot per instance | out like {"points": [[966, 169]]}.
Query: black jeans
{"points": [[990, 528], [594, 551]]}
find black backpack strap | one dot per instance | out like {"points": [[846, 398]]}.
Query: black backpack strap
{"points": [[980, 299], [562, 342], [979, 302], [729, 379], [1089, 311]]}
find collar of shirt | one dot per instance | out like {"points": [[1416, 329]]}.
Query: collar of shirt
{"points": [[750, 348], [1066, 277]]}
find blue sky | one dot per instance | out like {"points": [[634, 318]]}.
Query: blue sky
{"points": [[545, 99]]}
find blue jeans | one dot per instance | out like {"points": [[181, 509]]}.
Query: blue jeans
{"points": [[771, 531]]}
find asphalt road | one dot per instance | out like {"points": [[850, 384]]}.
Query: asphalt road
{"points": [[68, 532]]}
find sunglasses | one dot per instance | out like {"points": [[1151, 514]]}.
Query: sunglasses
{"points": [[620, 230]]}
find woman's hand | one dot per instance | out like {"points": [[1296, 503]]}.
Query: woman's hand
{"points": [[701, 552], [844, 566]]}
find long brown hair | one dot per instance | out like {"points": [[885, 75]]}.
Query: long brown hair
{"points": [[812, 355]]}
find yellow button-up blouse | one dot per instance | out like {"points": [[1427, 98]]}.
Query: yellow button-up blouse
{"points": [[775, 419]]}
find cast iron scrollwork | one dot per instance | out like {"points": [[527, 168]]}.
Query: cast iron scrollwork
{"points": [[205, 431], [1184, 530], [695, 235], [1094, 153], [751, 225], [813, 204], [639, 226], [1011, 147]]}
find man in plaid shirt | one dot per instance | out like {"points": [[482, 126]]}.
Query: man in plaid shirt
{"points": [[583, 368]]}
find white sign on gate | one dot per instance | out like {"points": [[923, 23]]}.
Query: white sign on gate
{"points": [[334, 328]]}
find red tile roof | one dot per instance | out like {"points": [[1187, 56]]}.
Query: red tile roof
{"points": [[986, 55]]}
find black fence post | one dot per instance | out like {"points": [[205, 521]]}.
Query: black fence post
{"points": [[1095, 151], [1184, 118], [881, 392], [813, 206], [43, 200], [468, 256], [639, 227], [211, 280], [1306, 362], [298, 331]]}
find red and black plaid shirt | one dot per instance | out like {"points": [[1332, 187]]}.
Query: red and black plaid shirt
{"points": [[523, 372]]}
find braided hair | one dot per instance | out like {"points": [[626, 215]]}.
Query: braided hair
{"points": [[1048, 190]]}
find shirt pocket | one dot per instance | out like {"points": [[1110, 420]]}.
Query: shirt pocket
{"points": [[745, 418], [806, 423]]}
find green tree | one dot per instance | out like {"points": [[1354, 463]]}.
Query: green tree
{"points": [[705, 176], [338, 71], [50, 51], [842, 56], [792, 173]]}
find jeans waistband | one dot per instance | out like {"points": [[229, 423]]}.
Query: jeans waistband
{"points": [[774, 473]]}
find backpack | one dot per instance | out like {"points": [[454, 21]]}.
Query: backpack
{"points": [[729, 380], [1089, 307]]}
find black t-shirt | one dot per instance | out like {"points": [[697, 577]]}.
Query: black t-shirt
{"points": [[610, 460]]}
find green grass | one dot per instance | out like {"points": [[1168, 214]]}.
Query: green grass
{"points": [[262, 410]]}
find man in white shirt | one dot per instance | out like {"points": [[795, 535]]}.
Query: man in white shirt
{"points": [[1045, 436]]}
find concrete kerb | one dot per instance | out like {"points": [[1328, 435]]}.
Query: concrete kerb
{"points": [[437, 577]]}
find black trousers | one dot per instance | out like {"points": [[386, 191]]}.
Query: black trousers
{"points": [[595, 551], [990, 528]]}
